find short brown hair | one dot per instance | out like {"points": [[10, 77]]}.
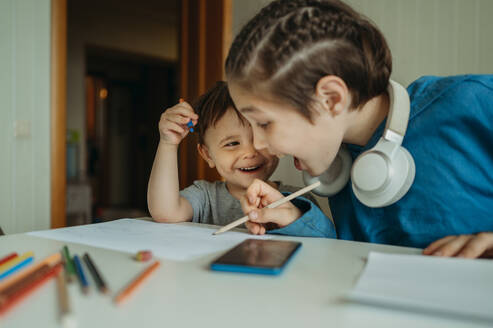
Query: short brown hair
{"points": [[211, 106], [291, 44]]}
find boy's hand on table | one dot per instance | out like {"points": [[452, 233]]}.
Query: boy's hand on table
{"points": [[468, 246], [260, 194], [173, 124]]}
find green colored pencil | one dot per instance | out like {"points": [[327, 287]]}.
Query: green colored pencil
{"points": [[69, 264]]}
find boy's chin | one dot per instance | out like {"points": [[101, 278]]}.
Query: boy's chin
{"points": [[248, 180], [314, 172]]}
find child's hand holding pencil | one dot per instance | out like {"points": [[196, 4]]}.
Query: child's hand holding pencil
{"points": [[255, 201], [175, 123]]}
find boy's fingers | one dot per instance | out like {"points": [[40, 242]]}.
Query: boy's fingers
{"points": [[477, 245], [254, 228], [177, 118], [453, 247], [437, 244], [245, 204], [280, 216], [253, 193], [181, 109], [171, 126], [261, 191]]}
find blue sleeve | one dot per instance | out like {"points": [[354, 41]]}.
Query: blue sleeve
{"points": [[313, 222]]}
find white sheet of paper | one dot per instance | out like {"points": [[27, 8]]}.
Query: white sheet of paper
{"points": [[171, 241], [454, 286]]}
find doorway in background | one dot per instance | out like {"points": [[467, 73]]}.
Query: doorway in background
{"points": [[204, 30], [126, 94]]}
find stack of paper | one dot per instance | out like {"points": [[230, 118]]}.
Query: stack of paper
{"points": [[171, 241], [454, 286]]}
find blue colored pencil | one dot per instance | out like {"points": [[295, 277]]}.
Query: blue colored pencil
{"points": [[84, 284], [190, 125], [16, 267]]}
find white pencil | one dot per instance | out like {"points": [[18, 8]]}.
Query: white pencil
{"points": [[273, 205]]}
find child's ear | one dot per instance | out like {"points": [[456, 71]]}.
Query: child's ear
{"points": [[333, 94], [204, 153]]}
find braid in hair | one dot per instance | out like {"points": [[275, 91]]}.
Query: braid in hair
{"points": [[256, 29], [300, 41]]}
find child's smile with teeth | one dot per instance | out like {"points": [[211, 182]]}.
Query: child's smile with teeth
{"points": [[229, 148]]}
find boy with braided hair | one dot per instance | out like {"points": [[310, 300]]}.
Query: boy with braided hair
{"points": [[312, 75]]}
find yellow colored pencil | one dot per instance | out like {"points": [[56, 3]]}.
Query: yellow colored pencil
{"points": [[7, 265]]}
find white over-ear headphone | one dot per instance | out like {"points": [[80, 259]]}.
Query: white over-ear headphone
{"points": [[381, 175]]}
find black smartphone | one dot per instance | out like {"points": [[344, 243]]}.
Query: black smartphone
{"points": [[259, 256]]}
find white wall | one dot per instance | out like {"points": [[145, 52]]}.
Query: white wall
{"points": [[146, 28], [25, 97], [426, 37]]}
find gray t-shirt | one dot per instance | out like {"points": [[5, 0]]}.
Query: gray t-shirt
{"points": [[213, 204]]}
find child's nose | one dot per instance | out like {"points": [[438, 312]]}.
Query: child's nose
{"points": [[249, 151], [259, 142]]}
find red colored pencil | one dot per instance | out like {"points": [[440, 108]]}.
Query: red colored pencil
{"points": [[6, 302], [8, 258]]}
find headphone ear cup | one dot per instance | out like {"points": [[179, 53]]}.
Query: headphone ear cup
{"points": [[380, 179], [408, 173], [335, 178]]}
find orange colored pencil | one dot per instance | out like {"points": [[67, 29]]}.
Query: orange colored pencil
{"points": [[49, 260], [125, 293]]}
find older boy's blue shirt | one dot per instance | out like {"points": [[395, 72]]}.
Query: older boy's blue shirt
{"points": [[313, 223], [450, 136]]}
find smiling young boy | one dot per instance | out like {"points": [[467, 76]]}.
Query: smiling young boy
{"points": [[226, 143]]}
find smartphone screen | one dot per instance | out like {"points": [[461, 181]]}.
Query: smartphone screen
{"points": [[257, 256]]}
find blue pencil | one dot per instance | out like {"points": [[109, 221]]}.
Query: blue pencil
{"points": [[190, 125], [84, 284], [16, 267]]}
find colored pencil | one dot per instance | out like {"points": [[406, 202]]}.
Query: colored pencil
{"points": [[16, 267], [103, 288], [6, 302], [49, 260], [15, 264], [132, 286], [66, 317], [69, 264], [8, 258], [272, 205], [84, 284], [19, 285], [10, 263]]}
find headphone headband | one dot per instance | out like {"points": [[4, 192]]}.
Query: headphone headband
{"points": [[398, 117], [383, 174]]}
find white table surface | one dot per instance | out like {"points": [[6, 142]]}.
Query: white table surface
{"points": [[309, 293]]}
